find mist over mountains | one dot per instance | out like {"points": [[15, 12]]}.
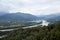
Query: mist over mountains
{"points": [[18, 16], [51, 17], [3, 13]]}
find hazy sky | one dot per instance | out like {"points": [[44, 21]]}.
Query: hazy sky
{"points": [[36, 7]]}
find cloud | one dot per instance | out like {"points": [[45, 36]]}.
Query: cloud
{"points": [[35, 7]]}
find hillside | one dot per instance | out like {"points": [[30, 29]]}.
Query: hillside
{"points": [[50, 32]]}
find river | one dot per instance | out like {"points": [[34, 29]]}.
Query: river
{"points": [[44, 23]]}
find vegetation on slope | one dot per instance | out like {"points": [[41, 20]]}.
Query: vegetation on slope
{"points": [[50, 32]]}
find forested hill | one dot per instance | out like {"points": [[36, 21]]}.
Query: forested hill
{"points": [[50, 32]]}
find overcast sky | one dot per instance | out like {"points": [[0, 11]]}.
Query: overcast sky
{"points": [[35, 7]]}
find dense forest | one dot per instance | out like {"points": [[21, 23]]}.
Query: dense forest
{"points": [[50, 32]]}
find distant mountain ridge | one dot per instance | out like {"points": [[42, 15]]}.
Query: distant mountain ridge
{"points": [[3, 13], [51, 17], [28, 17], [18, 17]]}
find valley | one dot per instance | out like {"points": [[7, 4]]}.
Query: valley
{"points": [[16, 27], [21, 27]]}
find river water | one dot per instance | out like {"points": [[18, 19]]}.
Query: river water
{"points": [[44, 23]]}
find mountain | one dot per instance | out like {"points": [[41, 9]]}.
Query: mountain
{"points": [[17, 17], [51, 17], [3, 13]]}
